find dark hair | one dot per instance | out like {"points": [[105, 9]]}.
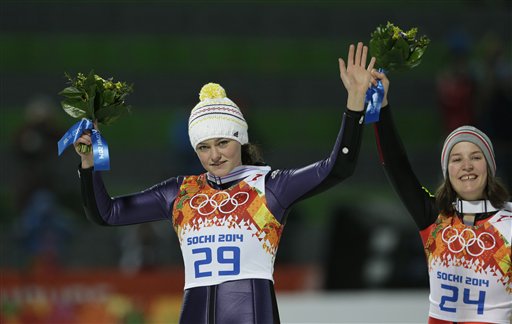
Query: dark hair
{"points": [[251, 155], [494, 191]]}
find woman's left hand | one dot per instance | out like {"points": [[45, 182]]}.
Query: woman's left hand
{"points": [[356, 75]]}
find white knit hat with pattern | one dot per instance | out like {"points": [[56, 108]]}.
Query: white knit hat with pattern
{"points": [[468, 134], [216, 116]]}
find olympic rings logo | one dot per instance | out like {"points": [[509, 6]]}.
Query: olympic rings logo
{"points": [[208, 205], [484, 241]]}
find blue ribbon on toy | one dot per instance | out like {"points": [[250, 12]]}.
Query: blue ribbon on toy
{"points": [[373, 102], [99, 144]]}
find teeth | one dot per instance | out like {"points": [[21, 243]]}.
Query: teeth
{"points": [[468, 177]]}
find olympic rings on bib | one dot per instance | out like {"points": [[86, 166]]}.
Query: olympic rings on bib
{"points": [[453, 236], [208, 205]]}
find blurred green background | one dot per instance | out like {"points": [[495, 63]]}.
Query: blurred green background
{"points": [[278, 61]]}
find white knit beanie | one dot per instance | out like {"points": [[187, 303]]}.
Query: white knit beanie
{"points": [[216, 116], [468, 134]]}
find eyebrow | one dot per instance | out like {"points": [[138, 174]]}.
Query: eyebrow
{"points": [[472, 153], [217, 140]]}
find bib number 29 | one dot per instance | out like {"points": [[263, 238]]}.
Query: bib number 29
{"points": [[225, 255], [452, 295]]}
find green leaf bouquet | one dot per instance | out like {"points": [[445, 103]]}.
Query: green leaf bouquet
{"points": [[396, 50], [95, 98]]}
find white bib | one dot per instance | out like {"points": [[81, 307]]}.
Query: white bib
{"points": [[471, 279], [226, 234]]}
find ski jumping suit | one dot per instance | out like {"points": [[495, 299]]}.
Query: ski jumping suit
{"points": [[229, 228], [470, 270]]}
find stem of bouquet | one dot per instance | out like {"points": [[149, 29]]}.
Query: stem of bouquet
{"points": [[84, 148]]}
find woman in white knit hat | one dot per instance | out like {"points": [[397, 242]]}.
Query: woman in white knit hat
{"points": [[466, 227], [229, 219]]}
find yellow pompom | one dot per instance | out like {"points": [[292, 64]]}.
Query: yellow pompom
{"points": [[212, 91]]}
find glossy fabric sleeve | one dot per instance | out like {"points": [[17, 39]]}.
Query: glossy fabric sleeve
{"points": [[149, 205], [417, 200], [288, 186]]}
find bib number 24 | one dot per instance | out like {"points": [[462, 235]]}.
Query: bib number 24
{"points": [[225, 255], [452, 295]]}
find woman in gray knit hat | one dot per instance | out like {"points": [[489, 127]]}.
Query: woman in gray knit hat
{"points": [[466, 227]]}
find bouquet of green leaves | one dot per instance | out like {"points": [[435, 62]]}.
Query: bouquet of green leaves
{"points": [[94, 98], [395, 49]]}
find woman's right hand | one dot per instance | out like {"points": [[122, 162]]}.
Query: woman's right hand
{"points": [[87, 158], [385, 82]]}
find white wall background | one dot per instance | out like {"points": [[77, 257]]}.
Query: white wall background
{"points": [[408, 306]]}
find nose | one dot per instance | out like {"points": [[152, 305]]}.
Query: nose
{"points": [[215, 154], [467, 165]]}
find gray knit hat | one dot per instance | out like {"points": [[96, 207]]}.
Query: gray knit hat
{"points": [[468, 134]]}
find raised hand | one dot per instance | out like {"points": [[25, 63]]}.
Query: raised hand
{"points": [[356, 75], [85, 138], [385, 82]]}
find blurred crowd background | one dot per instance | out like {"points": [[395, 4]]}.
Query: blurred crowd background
{"points": [[278, 62]]}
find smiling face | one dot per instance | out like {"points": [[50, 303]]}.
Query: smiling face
{"points": [[219, 155], [467, 171]]}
